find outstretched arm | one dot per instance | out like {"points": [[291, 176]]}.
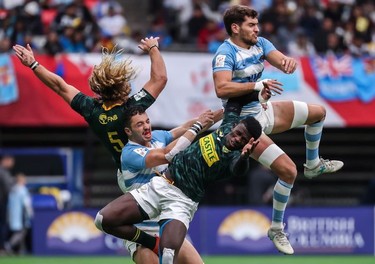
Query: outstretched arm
{"points": [[158, 75], [213, 118], [52, 80], [225, 88], [279, 60], [156, 157]]}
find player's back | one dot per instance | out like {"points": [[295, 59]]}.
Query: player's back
{"points": [[108, 122]]}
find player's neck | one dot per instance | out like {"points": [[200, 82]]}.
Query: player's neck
{"points": [[110, 104], [240, 43]]}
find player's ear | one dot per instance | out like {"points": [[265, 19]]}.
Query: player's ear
{"points": [[128, 131], [235, 27]]}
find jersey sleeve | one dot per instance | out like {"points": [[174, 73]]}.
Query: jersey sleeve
{"points": [[162, 136], [224, 59], [266, 45], [133, 157], [83, 105], [141, 98]]}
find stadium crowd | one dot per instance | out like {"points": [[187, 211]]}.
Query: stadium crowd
{"points": [[299, 27]]}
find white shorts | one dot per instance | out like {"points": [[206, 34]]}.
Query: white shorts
{"points": [[160, 198], [266, 118]]}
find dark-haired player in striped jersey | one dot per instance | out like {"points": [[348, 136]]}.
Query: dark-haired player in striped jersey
{"points": [[110, 81], [237, 69]]}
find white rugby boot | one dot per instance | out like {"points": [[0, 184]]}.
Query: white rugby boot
{"points": [[324, 166], [279, 238]]}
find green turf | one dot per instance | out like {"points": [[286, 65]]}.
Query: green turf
{"points": [[208, 260]]}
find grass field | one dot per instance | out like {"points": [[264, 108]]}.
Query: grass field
{"points": [[208, 260]]}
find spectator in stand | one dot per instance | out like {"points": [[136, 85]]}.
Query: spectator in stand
{"points": [[113, 24], [334, 11], [178, 13], [309, 20], [320, 39], [335, 44], [20, 213], [76, 15], [66, 17], [357, 46], [362, 23], [159, 29], [11, 4], [31, 16], [218, 39], [301, 46], [52, 45], [6, 181], [207, 34], [100, 9], [72, 43], [196, 23], [5, 45]]}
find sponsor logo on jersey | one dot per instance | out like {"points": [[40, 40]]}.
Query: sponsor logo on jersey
{"points": [[208, 150], [141, 151], [104, 119], [138, 96], [220, 60]]}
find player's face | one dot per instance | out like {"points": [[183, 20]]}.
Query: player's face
{"points": [[141, 129], [248, 31], [237, 138]]}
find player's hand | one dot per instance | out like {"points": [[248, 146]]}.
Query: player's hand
{"points": [[249, 148], [147, 44], [271, 87], [206, 119], [289, 65], [25, 55]]}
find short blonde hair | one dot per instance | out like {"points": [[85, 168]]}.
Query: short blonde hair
{"points": [[110, 80]]}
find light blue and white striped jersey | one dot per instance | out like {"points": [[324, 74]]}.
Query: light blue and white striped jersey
{"points": [[133, 161], [246, 65]]}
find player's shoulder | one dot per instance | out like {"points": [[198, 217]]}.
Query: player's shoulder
{"points": [[161, 135], [263, 42], [225, 48], [132, 151]]}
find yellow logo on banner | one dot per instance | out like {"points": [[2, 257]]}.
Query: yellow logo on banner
{"points": [[208, 150]]}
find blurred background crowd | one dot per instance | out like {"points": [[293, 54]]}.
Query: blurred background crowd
{"points": [[297, 27]]}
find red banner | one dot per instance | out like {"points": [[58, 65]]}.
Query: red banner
{"points": [[37, 105]]}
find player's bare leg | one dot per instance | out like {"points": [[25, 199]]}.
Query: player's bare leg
{"points": [[145, 255], [171, 239], [291, 114], [271, 156], [188, 254]]}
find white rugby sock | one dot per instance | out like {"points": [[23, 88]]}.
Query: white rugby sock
{"points": [[281, 194], [313, 134]]}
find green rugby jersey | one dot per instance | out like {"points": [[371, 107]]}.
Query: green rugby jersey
{"points": [[108, 124], [205, 161]]}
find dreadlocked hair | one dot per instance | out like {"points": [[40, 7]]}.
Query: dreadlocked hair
{"points": [[110, 80]]}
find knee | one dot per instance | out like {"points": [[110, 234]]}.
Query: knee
{"points": [[318, 113], [287, 173], [99, 221]]}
